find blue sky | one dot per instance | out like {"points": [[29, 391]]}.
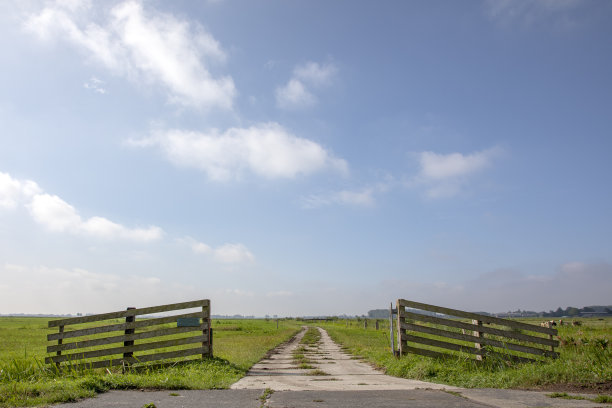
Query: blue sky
{"points": [[299, 158]]}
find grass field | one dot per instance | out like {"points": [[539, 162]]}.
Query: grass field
{"points": [[585, 362], [26, 381]]}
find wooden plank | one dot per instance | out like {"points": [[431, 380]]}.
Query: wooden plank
{"points": [[426, 353], [460, 348], [120, 338], [441, 344], [132, 312], [127, 349], [483, 329], [120, 326], [475, 316], [481, 340], [141, 359]]}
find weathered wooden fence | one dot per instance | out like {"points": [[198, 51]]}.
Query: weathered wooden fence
{"points": [[481, 338], [136, 336]]}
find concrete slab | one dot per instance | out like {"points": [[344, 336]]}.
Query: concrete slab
{"points": [[165, 399], [369, 399], [522, 399], [343, 372]]}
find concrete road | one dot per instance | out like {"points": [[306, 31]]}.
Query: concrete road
{"points": [[348, 383], [342, 371], [320, 399]]}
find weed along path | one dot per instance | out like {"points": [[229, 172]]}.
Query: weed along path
{"points": [[313, 361]]}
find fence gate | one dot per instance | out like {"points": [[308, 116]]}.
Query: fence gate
{"points": [[476, 335], [148, 338]]}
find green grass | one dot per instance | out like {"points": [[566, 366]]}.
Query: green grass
{"points": [[311, 337], [26, 381], [599, 399], [586, 359]]}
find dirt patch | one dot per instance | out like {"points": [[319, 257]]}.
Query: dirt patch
{"points": [[595, 388]]}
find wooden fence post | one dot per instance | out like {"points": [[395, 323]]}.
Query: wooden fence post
{"points": [[478, 333], [208, 332], [59, 343], [376, 324], [400, 319], [128, 343], [391, 334], [550, 337], [365, 324]]}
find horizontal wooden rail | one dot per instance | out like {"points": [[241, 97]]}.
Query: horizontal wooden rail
{"points": [[131, 312], [125, 337], [483, 329], [482, 341], [120, 350], [474, 316], [464, 349], [119, 326], [122, 346], [141, 359]]}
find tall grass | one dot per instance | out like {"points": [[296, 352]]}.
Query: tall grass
{"points": [[586, 359]]}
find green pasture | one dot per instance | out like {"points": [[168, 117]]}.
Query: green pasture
{"points": [[585, 358], [26, 381]]}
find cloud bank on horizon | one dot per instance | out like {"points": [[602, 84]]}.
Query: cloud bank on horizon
{"points": [[258, 160]]}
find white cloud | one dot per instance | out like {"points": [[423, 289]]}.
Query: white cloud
{"points": [[233, 253], [315, 73], [96, 85], [446, 174], [363, 197], [145, 46], [227, 253], [266, 150], [13, 191], [280, 293], [43, 289], [295, 93], [530, 12], [59, 216]]}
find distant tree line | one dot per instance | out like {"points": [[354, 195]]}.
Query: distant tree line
{"points": [[560, 312], [574, 311]]}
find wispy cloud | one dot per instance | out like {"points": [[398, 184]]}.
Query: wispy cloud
{"points": [[363, 197], [232, 253], [267, 150], [295, 93], [96, 85], [530, 12], [72, 290], [143, 45], [444, 175], [57, 215]]}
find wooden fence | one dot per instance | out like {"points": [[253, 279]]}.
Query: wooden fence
{"points": [[136, 336], [483, 337]]}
